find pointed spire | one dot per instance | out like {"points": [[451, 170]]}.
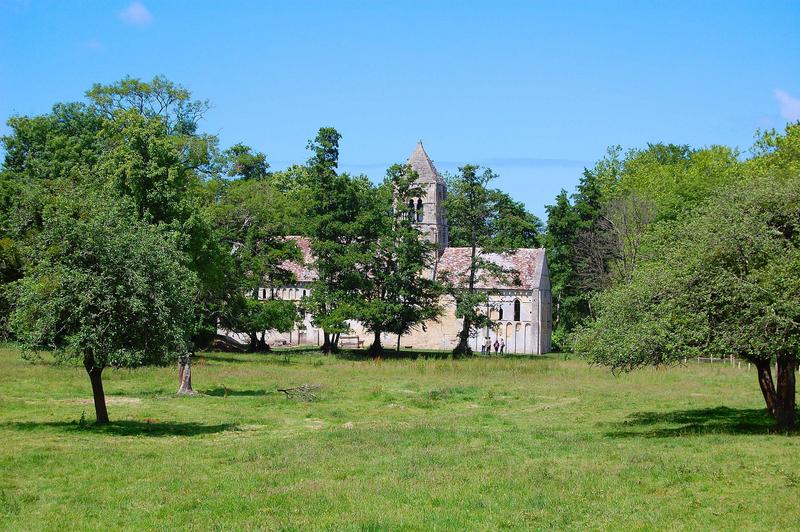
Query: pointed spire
{"points": [[423, 165]]}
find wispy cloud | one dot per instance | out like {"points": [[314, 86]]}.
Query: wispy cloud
{"points": [[95, 45], [788, 105], [136, 14]]}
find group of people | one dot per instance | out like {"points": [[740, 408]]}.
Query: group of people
{"points": [[499, 346]]}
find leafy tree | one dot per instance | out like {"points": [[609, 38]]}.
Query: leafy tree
{"points": [[157, 98], [512, 225], [104, 288], [469, 206], [295, 183], [245, 164], [724, 281], [143, 161], [595, 236], [397, 295], [343, 227], [135, 140], [250, 219], [508, 222]]}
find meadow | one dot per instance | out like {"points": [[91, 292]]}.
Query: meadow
{"points": [[408, 443]]}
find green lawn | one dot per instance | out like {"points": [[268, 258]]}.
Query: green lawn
{"points": [[397, 444]]}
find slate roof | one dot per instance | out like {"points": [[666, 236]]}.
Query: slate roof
{"points": [[423, 165], [529, 264]]}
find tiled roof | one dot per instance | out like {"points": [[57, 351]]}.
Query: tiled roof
{"points": [[423, 165], [527, 262]]}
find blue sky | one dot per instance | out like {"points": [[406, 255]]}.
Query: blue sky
{"points": [[536, 90]]}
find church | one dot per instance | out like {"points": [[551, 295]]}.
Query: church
{"points": [[522, 308]]}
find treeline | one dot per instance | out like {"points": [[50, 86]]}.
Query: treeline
{"points": [[669, 253], [128, 236]]}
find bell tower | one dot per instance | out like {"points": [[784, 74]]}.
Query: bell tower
{"points": [[429, 209]]}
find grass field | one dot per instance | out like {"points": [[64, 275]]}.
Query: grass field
{"points": [[397, 444]]}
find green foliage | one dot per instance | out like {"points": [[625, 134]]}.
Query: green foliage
{"points": [[345, 221], [157, 98], [251, 316], [471, 206], [595, 238], [398, 295], [251, 221], [103, 287], [245, 164], [723, 281], [133, 140], [502, 222]]}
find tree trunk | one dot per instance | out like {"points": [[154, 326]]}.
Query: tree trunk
{"points": [[767, 385], [398, 344], [262, 344], [785, 414], [96, 378], [376, 349], [462, 349], [326, 342], [185, 375], [253, 341]]}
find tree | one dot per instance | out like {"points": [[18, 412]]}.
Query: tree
{"points": [[562, 234], [397, 295], [594, 237], [250, 219], [508, 222], [104, 288], [724, 281], [469, 207], [245, 164], [344, 225], [157, 98]]}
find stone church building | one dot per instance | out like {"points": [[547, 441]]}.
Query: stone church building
{"points": [[522, 308]]}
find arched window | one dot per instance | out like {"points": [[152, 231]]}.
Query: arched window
{"points": [[500, 313], [516, 310], [411, 214], [419, 210], [304, 293]]}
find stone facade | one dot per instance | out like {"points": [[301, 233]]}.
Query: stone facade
{"points": [[520, 303]]}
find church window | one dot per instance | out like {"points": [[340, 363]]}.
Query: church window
{"points": [[304, 293], [517, 310], [419, 210], [500, 313], [411, 214]]}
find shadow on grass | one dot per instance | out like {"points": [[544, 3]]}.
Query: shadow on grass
{"points": [[390, 354], [717, 420], [230, 392], [269, 357], [125, 428], [297, 349], [219, 356]]}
